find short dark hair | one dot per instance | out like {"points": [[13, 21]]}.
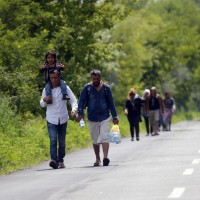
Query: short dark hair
{"points": [[95, 72], [54, 71]]}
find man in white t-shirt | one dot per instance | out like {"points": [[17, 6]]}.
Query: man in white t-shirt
{"points": [[57, 118]]}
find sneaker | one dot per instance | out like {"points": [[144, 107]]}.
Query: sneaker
{"points": [[53, 164], [137, 139], [132, 139], [61, 165]]}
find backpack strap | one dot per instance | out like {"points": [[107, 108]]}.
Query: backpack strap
{"points": [[88, 93], [105, 89], [88, 88], [105, 86]]}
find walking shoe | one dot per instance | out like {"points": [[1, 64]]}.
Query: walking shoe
{"points": [[106, 162], [137, 139], [132, 139], [53, 164], [61, 165], [97, 164]]}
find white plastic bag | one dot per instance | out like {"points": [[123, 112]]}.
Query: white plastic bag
{"points": [[114, 135]]}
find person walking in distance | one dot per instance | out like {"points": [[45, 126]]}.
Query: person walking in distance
{"points": [[57, 118], [154, 108], [145, 95], [97, 97], [132, 110], [169, 108]]}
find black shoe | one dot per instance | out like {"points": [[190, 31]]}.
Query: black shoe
{"points": [[106, 162], [61, 165], [137, 139], [132, 139], [53, 164]]}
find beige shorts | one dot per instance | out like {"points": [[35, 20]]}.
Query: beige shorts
{"points": [[99, 131]]}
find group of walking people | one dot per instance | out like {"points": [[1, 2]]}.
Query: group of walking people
{"points": [[156, 111], [97, 97]]}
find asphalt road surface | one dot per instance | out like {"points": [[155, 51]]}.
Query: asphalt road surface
{"points": [[155, 168]]}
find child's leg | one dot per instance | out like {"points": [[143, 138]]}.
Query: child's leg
{"points": [[48, 91], [63, 87]]}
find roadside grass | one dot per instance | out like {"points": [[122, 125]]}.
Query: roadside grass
{"points": [[28, 144]]}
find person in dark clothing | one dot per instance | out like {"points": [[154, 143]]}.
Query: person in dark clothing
{"points": [[133, 112]]}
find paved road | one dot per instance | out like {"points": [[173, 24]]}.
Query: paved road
{"points": [[155, 168]]}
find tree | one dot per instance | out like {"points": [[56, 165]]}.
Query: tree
{"points": [[73, 28]]}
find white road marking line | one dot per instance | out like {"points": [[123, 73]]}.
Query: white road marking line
{"points": [[176, 193], [196, 161], [188, 171]]}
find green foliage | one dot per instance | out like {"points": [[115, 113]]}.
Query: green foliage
{"points": [[73, 28], [160, 48], [20, 145]]}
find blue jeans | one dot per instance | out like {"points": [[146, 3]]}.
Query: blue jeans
{"points": [[63, 87], [57, 135]]}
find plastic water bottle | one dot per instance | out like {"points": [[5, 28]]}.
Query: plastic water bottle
{"points": [[114, 136], [82, 123], [116, 139]]}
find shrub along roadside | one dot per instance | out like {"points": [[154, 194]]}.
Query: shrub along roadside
{"points": [[26, 144], [31, 146]]}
